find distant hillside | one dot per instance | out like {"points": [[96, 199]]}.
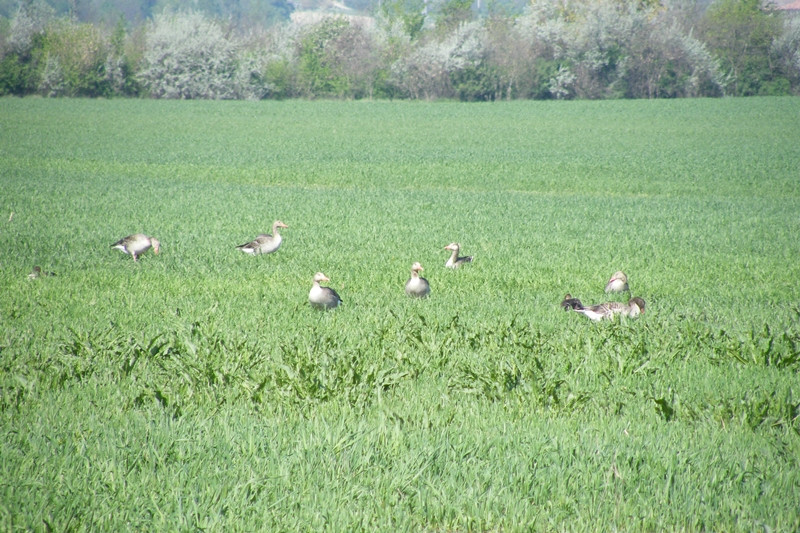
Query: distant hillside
{"points": [[360, 6], [262, 12], [135, 11]]}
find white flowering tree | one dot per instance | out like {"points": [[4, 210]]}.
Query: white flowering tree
{"points": [[665, 62], [530, 53], [429, 70], [786, 49], [188, 56]]}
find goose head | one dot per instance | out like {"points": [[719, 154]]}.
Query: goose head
{"points": [[617, 283], [619, 276]]}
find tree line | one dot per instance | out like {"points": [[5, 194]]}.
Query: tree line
{"points": [[562, 49]]}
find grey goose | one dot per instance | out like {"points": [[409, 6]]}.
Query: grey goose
{"points": [[264, 243], [137, 244]]}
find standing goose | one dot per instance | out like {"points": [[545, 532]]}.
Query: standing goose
{"points": [[632, 309], [264, 243], [137, 244], [320, 297], [618, 283], [417, 287], [455, 261], [571, 303]]}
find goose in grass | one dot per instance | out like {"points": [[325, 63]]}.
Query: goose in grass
{"points": [[416, 286], [571, 303], [264, 243], [609, 310], [618, 283], [455, 261], [137, 244], [320, 297], [39, 273]]}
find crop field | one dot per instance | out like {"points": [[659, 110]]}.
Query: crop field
{"points": [[196, 389]]}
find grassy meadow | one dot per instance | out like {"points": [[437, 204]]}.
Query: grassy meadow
{"points": [[197, 390]]}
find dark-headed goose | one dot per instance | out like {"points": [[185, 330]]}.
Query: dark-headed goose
{"points": [[455, 261], [618, 283], [38, 272], [322, 297], [416, 286], [137, 244], [265, 244], [632, 309], [571, 303]]}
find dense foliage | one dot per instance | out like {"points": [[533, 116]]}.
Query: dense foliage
{"points": [[549, 50]]}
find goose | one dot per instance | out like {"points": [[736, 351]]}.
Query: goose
{"points": [[265, 243], [632, 309], [571, 303], [38, 272], [618, 283], [417, 287], [320, 297], [455, 261], [137, 244]]}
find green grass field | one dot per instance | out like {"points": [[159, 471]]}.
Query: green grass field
{"points": [[197, 390]]}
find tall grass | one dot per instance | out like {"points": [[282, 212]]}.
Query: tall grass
{"points": [[197, 389]]}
